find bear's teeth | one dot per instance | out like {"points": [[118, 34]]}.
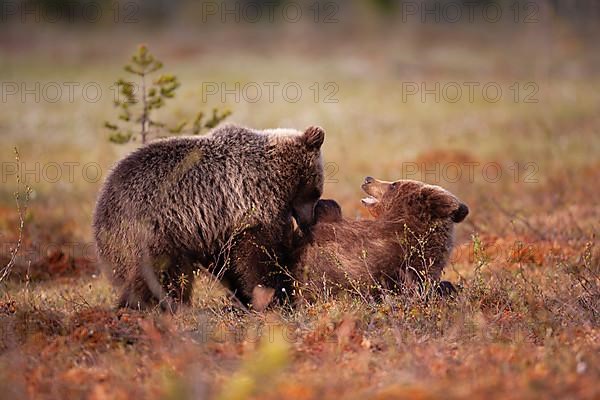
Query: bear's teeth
{"points": [[369, 201]]}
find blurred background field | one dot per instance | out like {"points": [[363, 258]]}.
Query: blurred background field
{"points": [[381, 78]]}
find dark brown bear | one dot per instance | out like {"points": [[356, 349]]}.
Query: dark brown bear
{"points": [[223, 201], [407, 243]]}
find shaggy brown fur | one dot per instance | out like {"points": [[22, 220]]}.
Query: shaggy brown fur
{"points": [[408, 242], [224, 200]]}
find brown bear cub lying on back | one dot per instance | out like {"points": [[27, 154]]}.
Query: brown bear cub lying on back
{"points": [[407, 244]]}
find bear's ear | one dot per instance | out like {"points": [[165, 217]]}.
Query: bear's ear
{"points": [[443, 204], [314, 137]]}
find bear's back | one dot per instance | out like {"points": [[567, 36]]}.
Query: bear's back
{"points": [[194, 188]]}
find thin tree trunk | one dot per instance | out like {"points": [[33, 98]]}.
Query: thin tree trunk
{"points": [[144, 111]]}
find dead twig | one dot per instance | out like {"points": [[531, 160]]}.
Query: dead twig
{"points": [[21, 210]]}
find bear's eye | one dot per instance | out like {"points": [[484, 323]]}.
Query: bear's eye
{"points": [[394, 185]]}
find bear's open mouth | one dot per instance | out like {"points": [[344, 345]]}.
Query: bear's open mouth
{"points": [[369, 201]]}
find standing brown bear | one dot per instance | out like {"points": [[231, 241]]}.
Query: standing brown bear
{"points": [[409, 241], [224, 200]]}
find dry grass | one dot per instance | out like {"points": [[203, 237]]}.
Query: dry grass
{"points": [[515, 327], [526, 323]]}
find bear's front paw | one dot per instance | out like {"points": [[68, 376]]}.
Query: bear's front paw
{"points": [[447, 289], [262, 297]]}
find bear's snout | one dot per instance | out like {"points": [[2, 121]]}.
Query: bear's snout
{"points": [[461, 213], [374, 187]]}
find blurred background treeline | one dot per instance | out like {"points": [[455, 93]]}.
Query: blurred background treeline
{"points": [[583, 13]]}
